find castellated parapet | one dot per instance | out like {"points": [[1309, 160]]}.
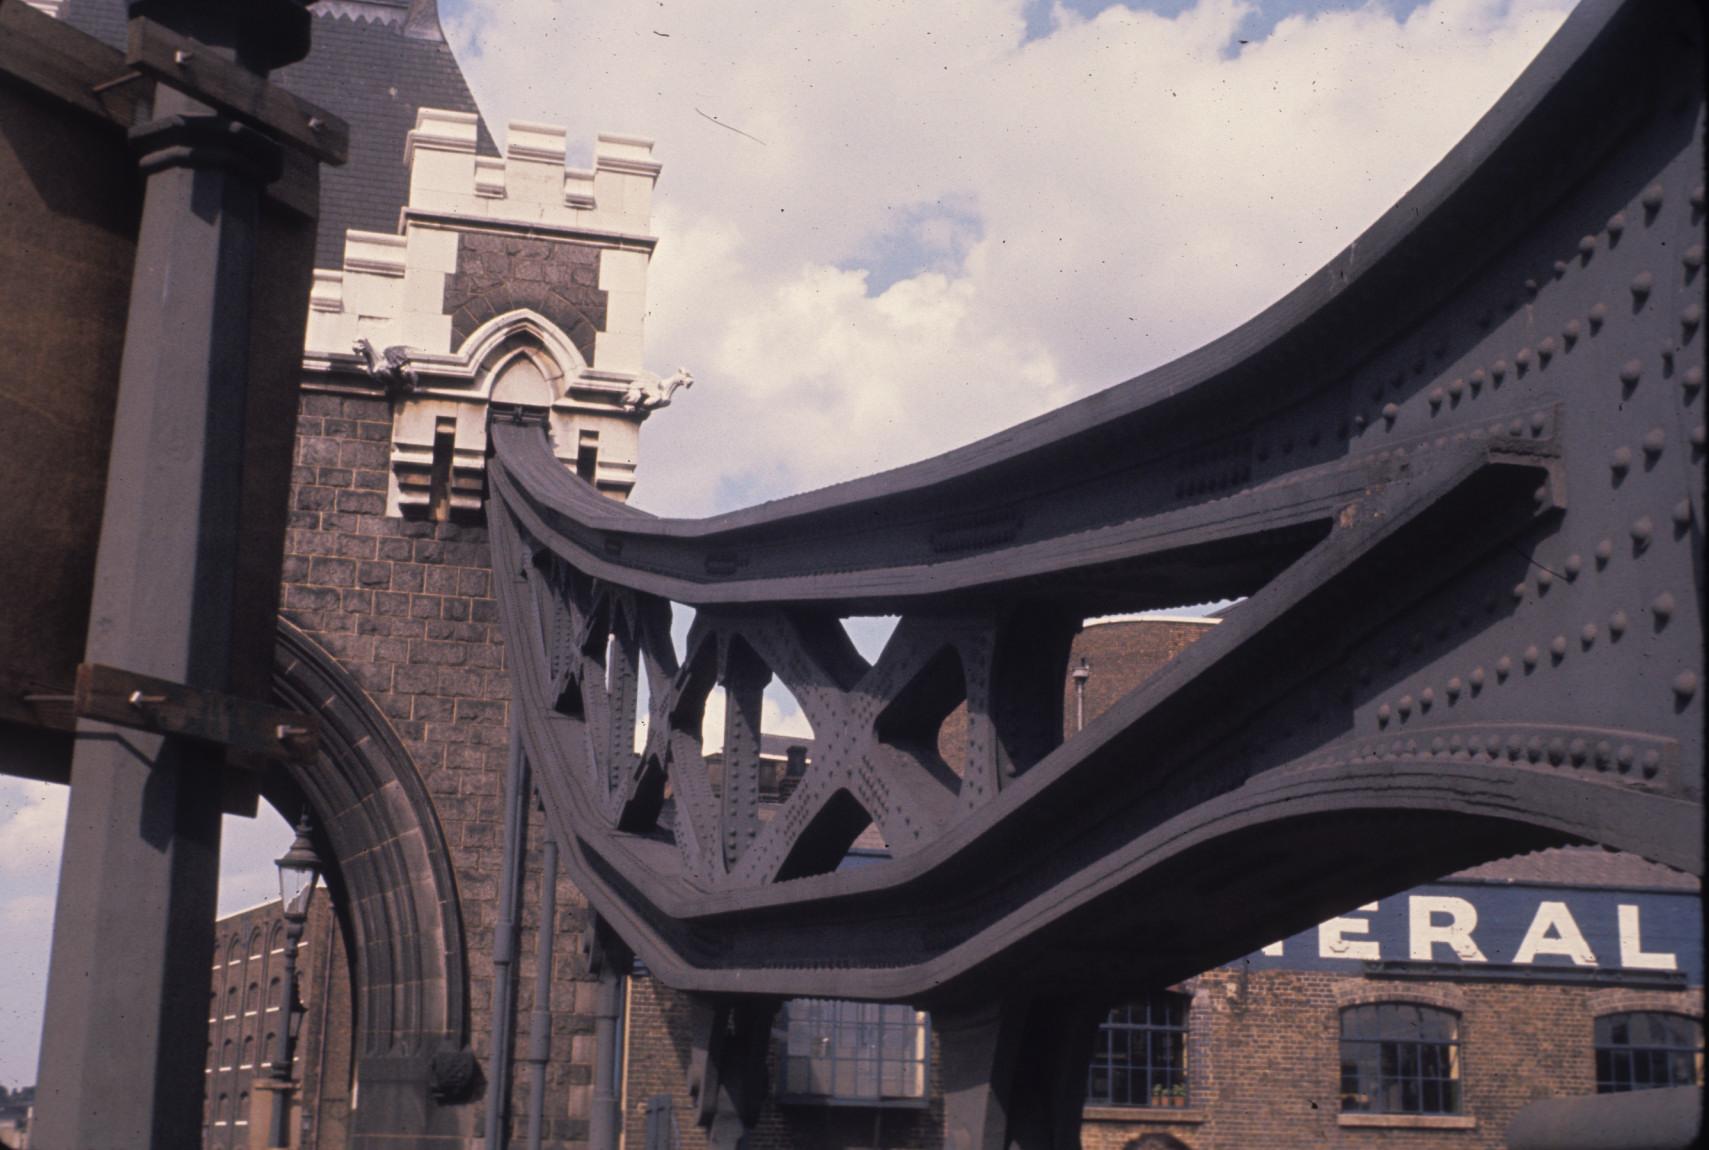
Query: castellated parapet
{"points": [[513, 281]]}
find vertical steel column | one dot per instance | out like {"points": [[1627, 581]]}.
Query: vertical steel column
{"points": [[516, 792], [540, 1018], [125, 1025]]}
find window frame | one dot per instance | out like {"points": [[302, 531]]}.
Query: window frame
{"points": [[1147, 1035], [803, 1016], [1409, 1055], [1659, 1053]]}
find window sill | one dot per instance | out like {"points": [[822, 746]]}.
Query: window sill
{"points": [[853, 1103], [1182, 1116], [1411, 1121]]}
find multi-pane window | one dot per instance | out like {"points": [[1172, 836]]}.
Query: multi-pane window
{"points": [[1398, 1058], [1140, 1055], [853, 1051], [1645, 1050]]}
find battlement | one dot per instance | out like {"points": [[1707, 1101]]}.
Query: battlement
{"points": [[499, 262], [530, 182]]}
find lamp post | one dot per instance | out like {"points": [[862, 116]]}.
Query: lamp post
{"points": [[299, 873], [1081, 674]]}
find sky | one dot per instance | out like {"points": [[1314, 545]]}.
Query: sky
{"points": [[889, 228]]}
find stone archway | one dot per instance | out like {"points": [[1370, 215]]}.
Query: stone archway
{"points": [[399, 904]]}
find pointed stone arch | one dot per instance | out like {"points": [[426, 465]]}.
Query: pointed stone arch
{"points": [[396, 893]]}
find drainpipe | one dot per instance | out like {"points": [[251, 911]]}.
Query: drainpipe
{"points": [[1081, 674], [605, 1124], [540, 1020], [504, 941]]}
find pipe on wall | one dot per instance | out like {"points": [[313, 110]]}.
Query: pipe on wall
{"points": [[613, 959], [516, 791], [540, 1019]]}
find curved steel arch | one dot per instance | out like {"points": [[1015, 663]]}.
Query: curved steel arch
{"points": [[1457, 473]]}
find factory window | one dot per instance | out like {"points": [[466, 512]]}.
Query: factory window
{"points": [[1646, 1049], [1398, 1058], [853, 1052], [1140, 1055]]}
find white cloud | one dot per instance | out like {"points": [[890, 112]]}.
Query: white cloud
{"points": [[1042, 218]]}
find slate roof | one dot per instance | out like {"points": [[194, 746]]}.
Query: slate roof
{"points": [[373, 63]]}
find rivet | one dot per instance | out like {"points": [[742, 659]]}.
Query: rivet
{"points": [[1515, 746], [1655, 439], [1545, 580], [1572, 331], [1618, 622], [1598, 314], [1616, 224], [1557, 750], [1534, 748], [1625, 757], [1662, 606], [1516, 428], [1546, 348], [1693, 257], [1437, 395], [1503, 667], [1519, 590], [1573, 565], [1391, 412], [1477, 679], [1631, 371], [1604, 552], [1498, 369], [1522, 358], [1642, 285], [1642, 528], [1476, 379], [1690, 317], [1531, 655], [1454, 688], [1455, 388], [1576, 750], [1438, 745], [1682, 513], [1652, 198], [1405, 706], [1652, 763], [1685, 684], [1587, 634], [1359, 422], [1697, 197], [1558, 647], [1621, 461], [1426, 699], [1604, 754], [1539, 421], [1560, 268], [1383, 714], [1586, 247], [1697, 437]]}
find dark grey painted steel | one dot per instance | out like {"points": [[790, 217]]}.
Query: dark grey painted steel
{"points": [[1456, 472], [134, 918], [1637, 1120]]}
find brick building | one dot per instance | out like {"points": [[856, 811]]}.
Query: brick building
{"points": [[456, 284]]}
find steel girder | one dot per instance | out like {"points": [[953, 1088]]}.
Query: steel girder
{"points": [[1456, 474]]}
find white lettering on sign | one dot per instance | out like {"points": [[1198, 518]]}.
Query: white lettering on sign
{"points": [[1456, 933], [1333, 943], [1567, 939], [1632, 954]]}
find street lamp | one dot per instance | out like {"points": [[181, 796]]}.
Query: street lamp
{"points": [[1081, 674], [299, 873]]}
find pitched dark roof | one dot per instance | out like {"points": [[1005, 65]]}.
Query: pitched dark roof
{"points": [[1583, 866], [373, 63]]}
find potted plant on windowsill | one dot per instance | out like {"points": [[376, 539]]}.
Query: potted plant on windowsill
{"points": [[1157, 1095], [1178, 1095]]}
